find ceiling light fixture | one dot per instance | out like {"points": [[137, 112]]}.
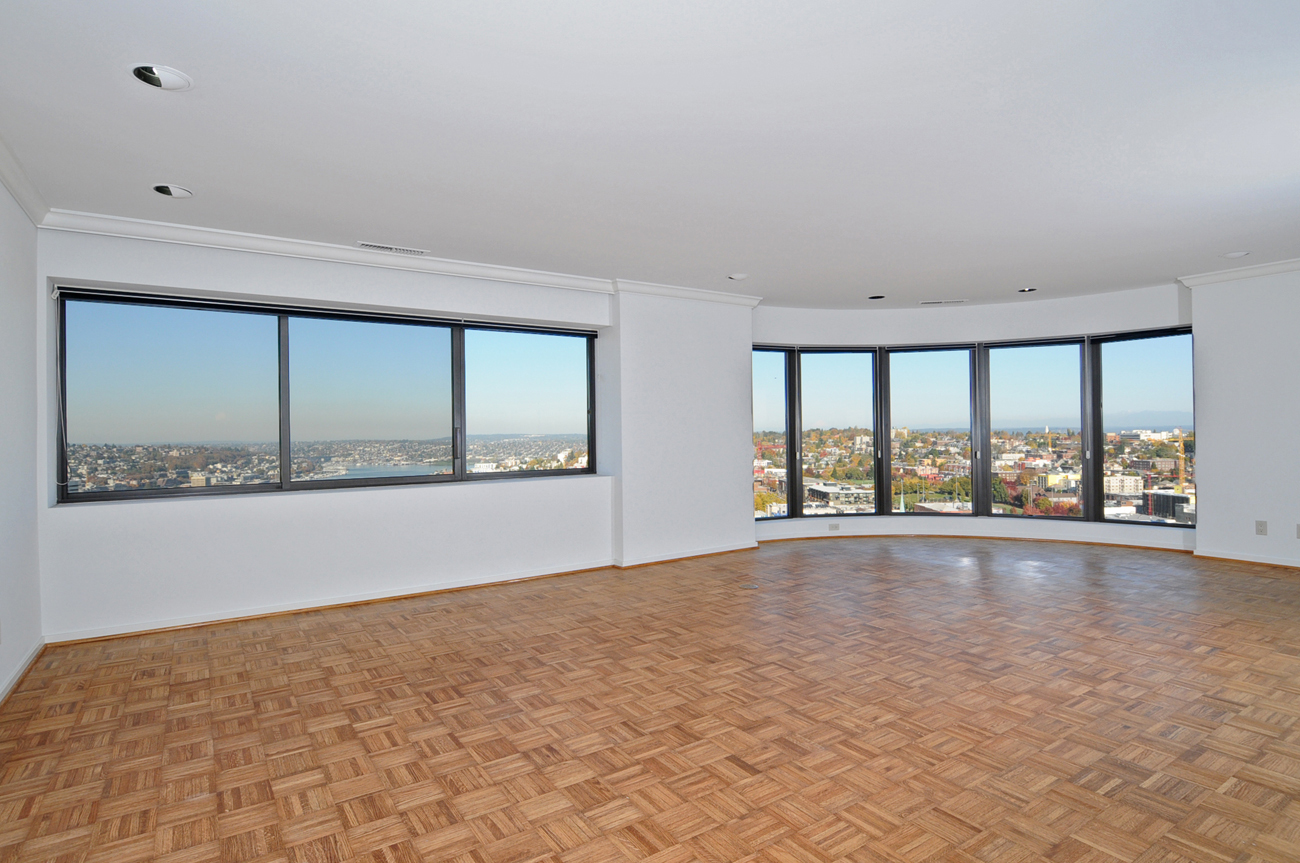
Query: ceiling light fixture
{"points": [[163, 77], [1027, 290], [877, 297], [738, 277], [173, 191], [1234, 254]]}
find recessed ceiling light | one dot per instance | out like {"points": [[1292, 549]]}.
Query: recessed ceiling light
{"points": [[173, 191], [738, 277], [1027, 290], [877, 297], [1234, 254], [163, 77]]}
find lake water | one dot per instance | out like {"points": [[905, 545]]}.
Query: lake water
{"points": [[370, 471]]}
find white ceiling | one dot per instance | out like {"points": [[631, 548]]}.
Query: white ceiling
{"points": [[921, 150]]}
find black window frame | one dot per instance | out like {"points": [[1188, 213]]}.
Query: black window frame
{"points": [[64, 292], [1085, 429], [1092, 435], [792, 483], [1098, 428]]}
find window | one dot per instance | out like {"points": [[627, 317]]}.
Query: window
{"points": [[368, 399], [526, 405], [1037, 430], [770, 432], [169, 398], [166, 396], [1093, 428], [930, 433], [1149, 466], [837, 442]]}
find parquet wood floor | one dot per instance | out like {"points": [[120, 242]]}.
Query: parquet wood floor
{"points": [[867, 700]]}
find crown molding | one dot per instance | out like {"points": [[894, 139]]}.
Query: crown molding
{"points": [[187, 235], [15, 179], [1238, 273], [623, 286]]}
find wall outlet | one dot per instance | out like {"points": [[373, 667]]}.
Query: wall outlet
{"points": [[1261, 528], [836, 526], [1297, 531]]}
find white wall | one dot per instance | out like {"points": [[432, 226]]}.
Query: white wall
{"points": [[129, 565], [123, 566], [1030, 318], [1139, 309], [20, 603], [1248, 418], [686, 479]]}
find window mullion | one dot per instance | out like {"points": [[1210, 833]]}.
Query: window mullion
{"points": [[286, 454], [884, 437], [458, 439]]}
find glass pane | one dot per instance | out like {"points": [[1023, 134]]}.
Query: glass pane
{"points": [[838, 447], [1149, 472], [929, 406], [525, 401], [368, 399], [769, 434], [1037, 449], [163, 397]]}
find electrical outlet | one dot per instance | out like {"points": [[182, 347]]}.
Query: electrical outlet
{"points": [[1261, 528], [1297, 531], [836, 526]]}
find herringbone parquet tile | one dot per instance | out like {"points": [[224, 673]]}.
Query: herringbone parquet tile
{"points": [[871, 700]]}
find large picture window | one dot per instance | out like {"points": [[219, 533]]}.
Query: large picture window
{"points": [[930, 432], [165, 396], [837, 449], [770, 443], [169, 398], [525, 401], [1149, 468], [1037, 430], [368, 399], [1092, 428]]}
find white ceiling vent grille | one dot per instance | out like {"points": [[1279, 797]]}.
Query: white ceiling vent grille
{"points": [[392, 250], [941, 302]]}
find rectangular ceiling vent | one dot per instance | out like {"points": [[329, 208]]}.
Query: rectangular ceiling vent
{"points": [[941, 302], [392, 250]]}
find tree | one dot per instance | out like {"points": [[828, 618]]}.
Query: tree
{"points": [[1000, 493]]}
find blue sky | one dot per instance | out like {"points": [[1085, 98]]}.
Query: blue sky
{"points": [[1147, 383], [930, 389], [525, 382], [152, 374], [358, 380], [769, 391], [1034, 387], [837, 390]]}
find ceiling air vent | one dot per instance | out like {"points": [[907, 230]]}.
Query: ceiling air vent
{"points": [[392, 250], [941, 302]]}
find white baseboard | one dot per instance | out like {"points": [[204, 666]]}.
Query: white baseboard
{"points": [[321, 602], [7, 686], [1293, 562], [682, 555]]}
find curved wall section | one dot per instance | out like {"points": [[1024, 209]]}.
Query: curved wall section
{"points": [[1150, 308], [1119, 311]]}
